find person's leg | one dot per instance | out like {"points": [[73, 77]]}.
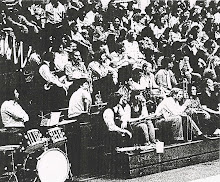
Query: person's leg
{"points": [[151, 130], [144, 127], [177, 128], [195, 128]]}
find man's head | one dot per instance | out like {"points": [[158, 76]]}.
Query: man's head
{"points": [[147, 68], [82, 83], [124, 99], [177, 94], [210, 85], [167, 63], [76, 56], [13, 93], [54, 2]]}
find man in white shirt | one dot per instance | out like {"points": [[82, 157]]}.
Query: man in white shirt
{"points": [[79, 105], [55, 14], [172, 112], [80, 100], [12, 113]]}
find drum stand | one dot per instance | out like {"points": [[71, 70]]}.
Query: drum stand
{"points": [[13, 172], [70, 172]]}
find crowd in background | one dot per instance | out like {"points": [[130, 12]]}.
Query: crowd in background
{"points": [[118, 48]]}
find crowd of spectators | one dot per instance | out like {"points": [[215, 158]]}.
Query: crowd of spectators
{"points": [[115, 47]]}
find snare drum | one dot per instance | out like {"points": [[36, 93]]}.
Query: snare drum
{"points": [[53, 166], [57, 136], [34, 140]]}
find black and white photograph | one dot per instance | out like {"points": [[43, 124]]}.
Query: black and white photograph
{"points": [[110, 90]]}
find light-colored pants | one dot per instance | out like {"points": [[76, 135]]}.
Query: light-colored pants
{"points": [[176, 127], [149, 131]]}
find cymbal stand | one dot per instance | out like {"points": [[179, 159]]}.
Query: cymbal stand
{"points": [[13, 172]]}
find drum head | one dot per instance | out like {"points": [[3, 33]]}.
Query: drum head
{"points": [[53, 166]]}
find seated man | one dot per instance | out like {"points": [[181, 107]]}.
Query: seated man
{"points": [[79, 105], [76, 68], [139, 113], [104, 77], [165, 77], [172, 112], [13, 118], [210, 103], [117, 136]]}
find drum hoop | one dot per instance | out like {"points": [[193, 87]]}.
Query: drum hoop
{"points": [[55, 128], [53, 149]]}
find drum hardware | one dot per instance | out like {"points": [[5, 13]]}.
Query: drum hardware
{"points": [[35, 141], [57, 136], [12, 149]]}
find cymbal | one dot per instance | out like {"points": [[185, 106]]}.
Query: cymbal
{"points": [[9, 147], [67, 122]]}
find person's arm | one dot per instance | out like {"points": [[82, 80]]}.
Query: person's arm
{"points": [[87, 99], [22, 18], [94, 67], [172, 78], [21, 26], [210, 110], [70, 73], [108, 117], [154, 84], [18, 113], [45, 72]]}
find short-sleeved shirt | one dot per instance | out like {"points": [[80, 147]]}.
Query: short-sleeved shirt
{"points": [[77, 101]]}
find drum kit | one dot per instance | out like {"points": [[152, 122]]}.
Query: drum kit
{"points": [[44, 157]]}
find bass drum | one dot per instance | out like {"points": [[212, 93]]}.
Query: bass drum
{"points": [[53, 166]]}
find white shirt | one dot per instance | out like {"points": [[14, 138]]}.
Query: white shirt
{"points": [[60, 60], [13, 115], [169, 107], [77, 102], [108, 116], [148, 81], [48, 76], [55, 15], [124, 113]]}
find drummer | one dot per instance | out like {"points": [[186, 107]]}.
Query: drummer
{"points": [[13, 118], [13, 115]]}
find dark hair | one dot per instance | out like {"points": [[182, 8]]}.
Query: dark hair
{"points": [[165, 62], [190, 89], [9, 94], [133, 94], [48, 56], [174, 91], [113, 100]]}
